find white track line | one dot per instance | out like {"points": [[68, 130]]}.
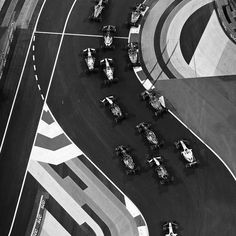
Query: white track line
{"points": [[16, 93], [22, 186], [78, 35], [234, 177], [203, 143], [21, 76]]}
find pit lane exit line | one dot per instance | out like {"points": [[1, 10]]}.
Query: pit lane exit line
{"points": [[78, 35], [47, 92]]}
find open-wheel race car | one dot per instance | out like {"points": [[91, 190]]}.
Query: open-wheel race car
{"points": [[186, 152], [124, 153], [108, 36], [114, 108], [144, 129], [136, 14], [133, 53], [97, 10], [89, 55], [156, 103], [169, 227], [107, 66], [160, 169]]}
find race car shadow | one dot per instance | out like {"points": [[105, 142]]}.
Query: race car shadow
{"points": [[190, 171], [4, 95]]}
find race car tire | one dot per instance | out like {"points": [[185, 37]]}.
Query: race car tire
{"points": [[162, 182], [177, 145], [161, 143]]}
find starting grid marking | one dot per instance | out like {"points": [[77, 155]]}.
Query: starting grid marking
{"points": [[78, 35]]}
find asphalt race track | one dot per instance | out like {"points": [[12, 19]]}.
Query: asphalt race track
{"points": [[202, 200]]}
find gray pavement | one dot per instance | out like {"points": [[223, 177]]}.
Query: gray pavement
{"points": [[206, 105]]}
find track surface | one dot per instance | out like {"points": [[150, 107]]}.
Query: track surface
{"points": [[201, 200]]}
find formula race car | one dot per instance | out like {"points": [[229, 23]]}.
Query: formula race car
{"points": [[144, 129], [168, 229], [108, 69], [186, 152], [114, 108], [97, 11], [108, 36], [136, 14], [156, 103], [90, 59], [133, 53], [160, 169], [128, 161]]}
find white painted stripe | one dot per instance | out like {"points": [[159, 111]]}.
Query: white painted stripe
{"points": [[14, 100], [215, 54], [23, 182], [34, 37], [39, 87], [134, 211], [78, 35], [33, 57], [52, 227], [135, 30], [203, 143], [42, 96], [120, 37], [145, 229], [50, 131], [55, 157], [33, 47], [36, 77], [148, 85], [55, 186], [34, 67], [1, 4]]}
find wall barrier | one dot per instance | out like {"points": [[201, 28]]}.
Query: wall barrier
{"points": [[39, 217], [6, 43]]}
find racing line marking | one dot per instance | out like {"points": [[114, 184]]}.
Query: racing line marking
{"points": [[78, 35], [177, 118], [49, 85], [10, 114]]}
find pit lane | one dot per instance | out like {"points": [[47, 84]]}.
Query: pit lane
{"points": [[199, 200]]}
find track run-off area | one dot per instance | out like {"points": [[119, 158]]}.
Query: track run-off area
{"points": [[201, 200]]}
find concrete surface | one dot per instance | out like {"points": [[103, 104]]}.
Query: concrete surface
{"points": [[208, 107]]}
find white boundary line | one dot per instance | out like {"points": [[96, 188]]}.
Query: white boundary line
{"points": [[26, 58], [78, 35], [18, 86], [234, 177], [22, 186], [203, 143], [125, 197]]}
